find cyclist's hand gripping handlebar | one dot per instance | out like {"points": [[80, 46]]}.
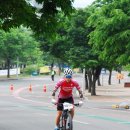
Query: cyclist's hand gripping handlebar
{"points": [[53, 101], [81, 96], [80, 103]]}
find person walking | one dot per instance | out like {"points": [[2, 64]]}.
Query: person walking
{"points": [[53, 74]]}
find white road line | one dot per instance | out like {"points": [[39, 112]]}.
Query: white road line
{"points": [[17, 92], [16, 95], [85, 123]]}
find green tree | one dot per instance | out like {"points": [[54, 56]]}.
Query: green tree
{"points": [[19, 44], [81, 53], [41, 19], [111, 33], [71, 45]]}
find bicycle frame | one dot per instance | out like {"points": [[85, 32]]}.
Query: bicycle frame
{"points": [[65, 121], [66, 116]]}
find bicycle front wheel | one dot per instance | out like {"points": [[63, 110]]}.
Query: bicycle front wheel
{"points": [[69, 122]]}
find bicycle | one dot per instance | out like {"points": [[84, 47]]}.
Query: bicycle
{"points": [[66, 122]]}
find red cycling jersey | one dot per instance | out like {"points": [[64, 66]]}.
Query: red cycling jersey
{"points": [[66, 88]]}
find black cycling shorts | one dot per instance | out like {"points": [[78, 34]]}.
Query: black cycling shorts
{"points": [[60, 100]]}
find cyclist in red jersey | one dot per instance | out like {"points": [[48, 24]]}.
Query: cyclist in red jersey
{"points": [[66, 86]]}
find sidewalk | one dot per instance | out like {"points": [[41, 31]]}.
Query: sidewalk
{"points": [[110, 93]]}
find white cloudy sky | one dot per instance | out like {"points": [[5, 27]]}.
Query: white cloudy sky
{"points": [[76, 4], [82, 3]]}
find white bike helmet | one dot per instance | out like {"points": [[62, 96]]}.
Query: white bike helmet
{"points": [[68, 72]]}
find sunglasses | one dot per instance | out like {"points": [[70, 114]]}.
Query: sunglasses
{"points": [[68, 76]]}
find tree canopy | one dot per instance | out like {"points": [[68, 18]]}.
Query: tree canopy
{"points": [[95, 37], [111, 35], [41, 19], [19, 43]]}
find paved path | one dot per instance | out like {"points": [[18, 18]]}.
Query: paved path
{"points": [[25, 110], [110, 93]]}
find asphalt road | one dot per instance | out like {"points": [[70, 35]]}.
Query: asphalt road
{"points": [[22, 109]]}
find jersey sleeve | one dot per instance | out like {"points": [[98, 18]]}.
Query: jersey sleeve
{"points": [[76, 85], [58, 85]]}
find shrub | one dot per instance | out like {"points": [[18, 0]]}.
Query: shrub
{"points": [[30, 69]]}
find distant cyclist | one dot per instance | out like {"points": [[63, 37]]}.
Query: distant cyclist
{"points": [[66, 86]]}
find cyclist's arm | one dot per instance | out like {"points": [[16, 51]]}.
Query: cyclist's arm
{"points": [[80, 93], [79, 89], [58, 85], [54, 91]]}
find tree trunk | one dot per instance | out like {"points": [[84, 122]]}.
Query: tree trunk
{"points": [[95, 72], [90, 81], [98, 81], [110, 74], [86, 80], [93, 88], [8, 67], [24, 66]]}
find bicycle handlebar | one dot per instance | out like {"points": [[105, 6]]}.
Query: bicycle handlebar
{"points": [[80, 103]]}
